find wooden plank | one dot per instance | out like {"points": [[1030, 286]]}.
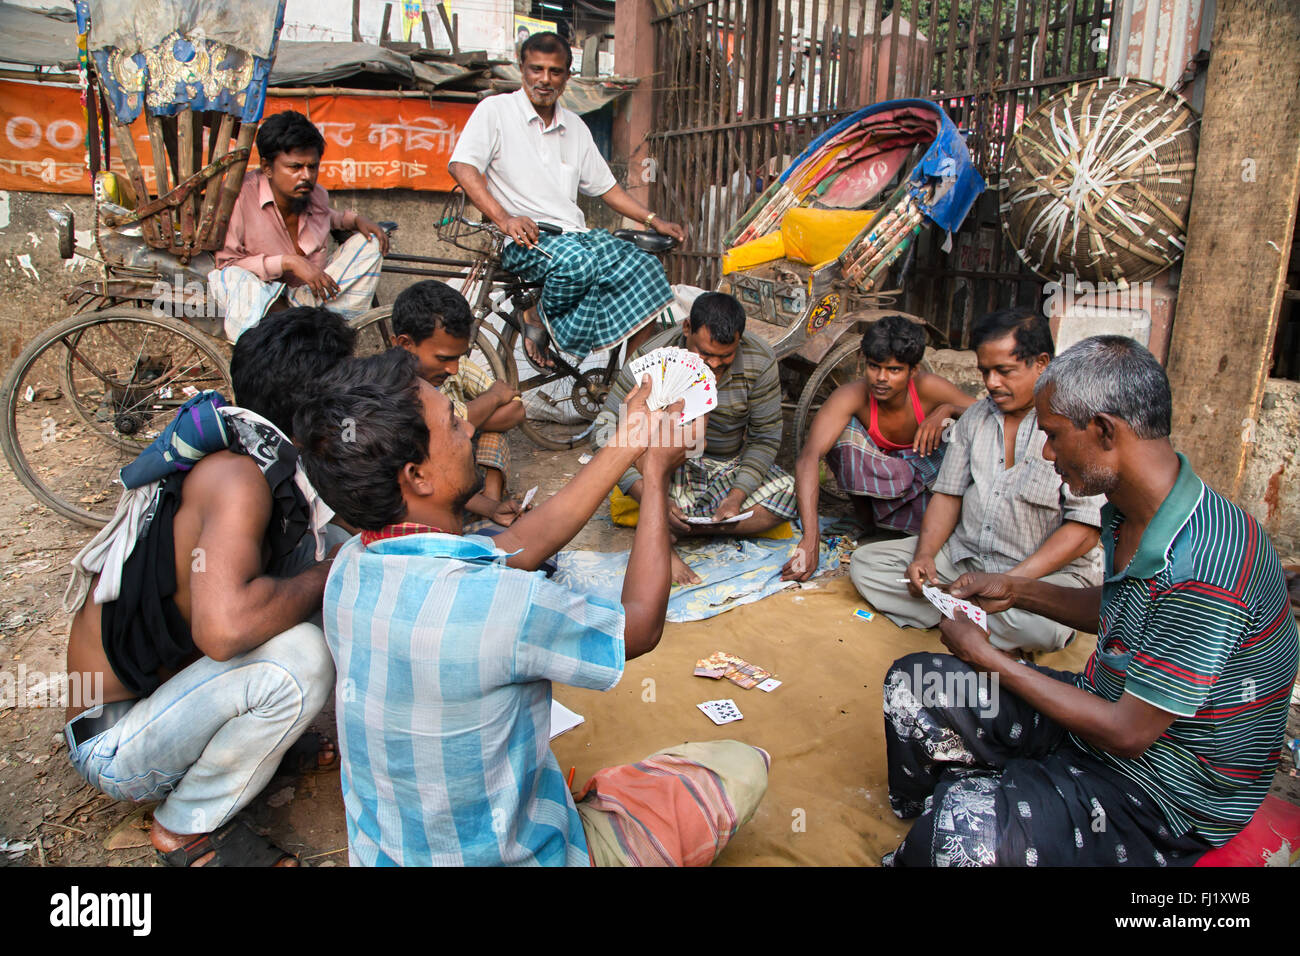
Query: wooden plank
{"points": [[1239, 236], [802, 63], [185, 169], [158, 146], [131, 160], [356, 21], [221, 146], [230, 186], [891, 80]]}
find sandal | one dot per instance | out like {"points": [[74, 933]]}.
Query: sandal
{"points": [[304, 756], [235, 844], [536, 342]]}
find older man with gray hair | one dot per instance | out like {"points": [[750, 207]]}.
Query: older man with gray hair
{"points": [[1165, 745]]}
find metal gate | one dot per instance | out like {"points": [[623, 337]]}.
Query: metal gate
{"points": [[743, 85]]}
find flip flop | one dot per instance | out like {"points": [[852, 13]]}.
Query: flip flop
{"points": [[536, 335], [303, 757], [235, 844]]}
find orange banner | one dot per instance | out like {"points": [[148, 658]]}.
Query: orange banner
{"points": [[371, 142]]}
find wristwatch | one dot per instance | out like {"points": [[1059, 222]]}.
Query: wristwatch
{"points": [[649, 220]]}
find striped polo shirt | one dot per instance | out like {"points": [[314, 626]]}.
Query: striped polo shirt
{"points": [[1199, 625], [746, 422]]}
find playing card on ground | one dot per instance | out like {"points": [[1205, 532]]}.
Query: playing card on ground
{"points": [[721, 711], [708, 520]]}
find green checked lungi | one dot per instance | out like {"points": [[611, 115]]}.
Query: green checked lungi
{"points": [[699, 485], [597, 290]]}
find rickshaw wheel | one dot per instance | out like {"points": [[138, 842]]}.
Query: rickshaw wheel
{"points": [[87, 395], [844, 364]]}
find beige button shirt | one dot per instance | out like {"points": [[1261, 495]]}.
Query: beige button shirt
{"points": [[532, 170], [1007, 513]]}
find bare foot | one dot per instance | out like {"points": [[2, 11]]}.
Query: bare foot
{"points": [[682, 574]]}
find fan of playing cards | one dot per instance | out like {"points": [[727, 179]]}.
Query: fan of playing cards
{"points": [[677, 374]]}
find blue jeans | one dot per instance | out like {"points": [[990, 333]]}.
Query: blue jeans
{"points": [[209, 740]]}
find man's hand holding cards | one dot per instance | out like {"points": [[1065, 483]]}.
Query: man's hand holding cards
{"points": [[946, 604], [677, 374]]}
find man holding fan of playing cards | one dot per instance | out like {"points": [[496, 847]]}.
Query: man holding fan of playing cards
{"points": [[446, 645], [735, 486]]}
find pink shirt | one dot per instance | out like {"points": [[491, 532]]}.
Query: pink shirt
{"points": [[257, 239]]}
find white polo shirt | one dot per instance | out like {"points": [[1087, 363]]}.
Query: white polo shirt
{"points": [[532, 170]]}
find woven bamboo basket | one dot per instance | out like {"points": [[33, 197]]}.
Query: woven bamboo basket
{"points": [[1099, 181]]}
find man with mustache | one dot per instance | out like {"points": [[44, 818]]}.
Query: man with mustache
{"points": [[522, 159], [998, 507], [277, 245]]}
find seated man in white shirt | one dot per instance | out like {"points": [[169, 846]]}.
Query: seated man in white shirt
{"points": [[522, 159]]}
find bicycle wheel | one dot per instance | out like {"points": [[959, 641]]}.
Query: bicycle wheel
{"points": [[561, 409], [89, 394], [375, 334]]}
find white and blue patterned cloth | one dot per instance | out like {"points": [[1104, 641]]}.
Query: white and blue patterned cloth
{"points": [[445, 658]]}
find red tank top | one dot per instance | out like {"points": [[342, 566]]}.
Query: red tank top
{"points": [[883, 443]]}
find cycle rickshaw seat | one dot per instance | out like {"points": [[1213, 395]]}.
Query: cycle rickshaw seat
{"points": [[643, 239]]}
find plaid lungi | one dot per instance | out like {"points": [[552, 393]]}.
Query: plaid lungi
{"points": [[699, 486], [679, 807], [491, 450], [244, 298], [897, 482], [597, 290]]}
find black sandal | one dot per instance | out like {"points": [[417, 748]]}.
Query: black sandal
{"points": [[540, 339], [235, 844]]}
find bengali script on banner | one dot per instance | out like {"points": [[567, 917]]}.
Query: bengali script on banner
{"points": [[371, 142]]}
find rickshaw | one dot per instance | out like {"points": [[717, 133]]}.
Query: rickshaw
{"points": [[88, 394]]}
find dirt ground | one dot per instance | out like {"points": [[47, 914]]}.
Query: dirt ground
{"points": [[49, 817]]}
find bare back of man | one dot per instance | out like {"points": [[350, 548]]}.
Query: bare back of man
{"points": [[223, 591]]}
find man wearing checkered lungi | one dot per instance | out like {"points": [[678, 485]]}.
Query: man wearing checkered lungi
{"points": [[522, 159], [737, 471]]}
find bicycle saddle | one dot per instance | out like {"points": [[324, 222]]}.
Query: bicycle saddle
{"points": [[645, 239]]}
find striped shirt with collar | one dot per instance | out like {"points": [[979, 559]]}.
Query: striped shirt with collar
{"points": [[445, 657], [747, 420], [1007, 513], [1199, 625]]}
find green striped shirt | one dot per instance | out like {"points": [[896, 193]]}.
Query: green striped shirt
{"points": [[1199, 625], [746, 422]]}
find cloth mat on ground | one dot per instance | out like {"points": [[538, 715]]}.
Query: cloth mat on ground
{"points": [[733, 572], [827, 802]]}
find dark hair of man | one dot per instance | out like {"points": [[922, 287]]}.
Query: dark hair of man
{"points": [[285, 132], [1033, 334], [421, 308], [548, 43], [721, 314], [279, 362], [1110, 375], [894, 337], [366, 423]]}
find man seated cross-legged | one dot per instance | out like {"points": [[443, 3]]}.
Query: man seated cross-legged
{"points": [[881, 436], [196, 604], [433, 322], [1166, 744], [277, 244], [446, 646], [998, 506], [737, 471]]}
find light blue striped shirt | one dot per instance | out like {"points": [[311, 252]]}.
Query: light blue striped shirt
{"points": [[445, 658]]}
